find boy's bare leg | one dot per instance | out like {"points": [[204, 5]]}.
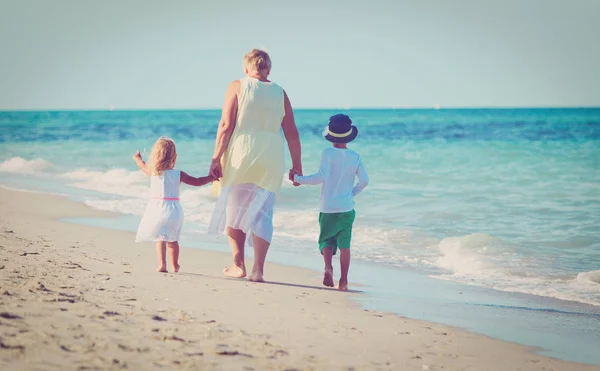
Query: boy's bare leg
{"points": [[237, 239], [161, 252], [328, 275], [174, 255], [261, 247], [345, 265]]}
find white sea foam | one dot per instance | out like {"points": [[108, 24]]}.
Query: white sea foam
{"points": [[23, 166], [570, 288], [486, 261], [115, 181], [467, 254]]}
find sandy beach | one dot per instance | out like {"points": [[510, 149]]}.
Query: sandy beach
{"points": [[82, 298]]}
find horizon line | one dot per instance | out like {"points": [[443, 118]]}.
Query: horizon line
{"points": [[433, 108]]}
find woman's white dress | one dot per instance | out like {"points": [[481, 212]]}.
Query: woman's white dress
{"points": [[163, 218], [253, 164]]}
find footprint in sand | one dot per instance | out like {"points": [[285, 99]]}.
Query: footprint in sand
{"points": [[279, 353], [29, 253], [130, 349], [7, 315], [194, 354], [72, 265], [234, 353], [65, 348], [20, 348]]}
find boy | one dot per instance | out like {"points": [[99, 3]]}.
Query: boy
{"points": [[339, 166]]}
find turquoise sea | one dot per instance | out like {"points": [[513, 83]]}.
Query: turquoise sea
{"points": [[487, 219]]}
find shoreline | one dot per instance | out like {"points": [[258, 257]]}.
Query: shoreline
{"points": [[88, 296]]}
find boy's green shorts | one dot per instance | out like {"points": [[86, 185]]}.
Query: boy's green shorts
{"points": [[336, 230]]}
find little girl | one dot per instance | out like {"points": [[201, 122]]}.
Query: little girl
{"points": [[163, 218]]}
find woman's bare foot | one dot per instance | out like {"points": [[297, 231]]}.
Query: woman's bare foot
{"points": [[328, 278], [343, 285], [256, 277], [176, 268], [234, 272], [162, 269]]}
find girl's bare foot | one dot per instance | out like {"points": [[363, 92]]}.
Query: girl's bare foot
{"points": [[162, 269], [234, 272], [256, 276], [328, 277], [176, 268], [343, 285]]}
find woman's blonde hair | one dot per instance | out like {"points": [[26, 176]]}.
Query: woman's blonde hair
{"points": [[163, 156], [257, 60]]}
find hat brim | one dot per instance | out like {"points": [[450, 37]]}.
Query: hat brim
{"points": [[346, 139]]}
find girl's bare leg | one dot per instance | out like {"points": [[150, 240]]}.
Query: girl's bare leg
{"points": [[328, 275], [237, 239], [174, 255], [161, 252]]}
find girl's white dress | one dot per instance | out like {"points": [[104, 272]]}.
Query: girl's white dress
{"points": [[163, 218]]}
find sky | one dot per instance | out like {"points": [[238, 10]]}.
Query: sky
{"points": [[182, 54]]}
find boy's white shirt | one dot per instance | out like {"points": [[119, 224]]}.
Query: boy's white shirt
{"points": [[337, 172]]}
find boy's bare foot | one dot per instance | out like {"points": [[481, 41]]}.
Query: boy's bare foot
{"points": [[234, 272], [256, 277], [328, 278], [162, 269], [176, 268], [343, 285]]}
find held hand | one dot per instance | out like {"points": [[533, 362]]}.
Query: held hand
{"points": [[292, 173], [216, 170], [137, 156]]}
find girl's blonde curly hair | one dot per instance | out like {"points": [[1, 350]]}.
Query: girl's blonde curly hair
{"points": [[163, 156]]}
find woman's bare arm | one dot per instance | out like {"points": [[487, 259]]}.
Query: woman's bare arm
{"points": [[226, 127], [291, 135]]}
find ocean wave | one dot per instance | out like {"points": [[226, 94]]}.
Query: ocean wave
{"points": [[562, 288], [592, 277], [128, 191], [23, 166], [120, 182], [467, 254]]}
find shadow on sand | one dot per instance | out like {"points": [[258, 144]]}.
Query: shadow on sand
{"points": [[269, 282]]}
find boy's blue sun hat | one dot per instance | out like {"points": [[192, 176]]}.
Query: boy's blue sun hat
{"points": [[340, 129]]}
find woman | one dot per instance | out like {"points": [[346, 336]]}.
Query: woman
{"points": [[249, 161]]}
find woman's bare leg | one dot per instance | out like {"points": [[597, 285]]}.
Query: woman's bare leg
{"points": [[261, 247], [237, 239], [174, 255], [161, 252]]}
